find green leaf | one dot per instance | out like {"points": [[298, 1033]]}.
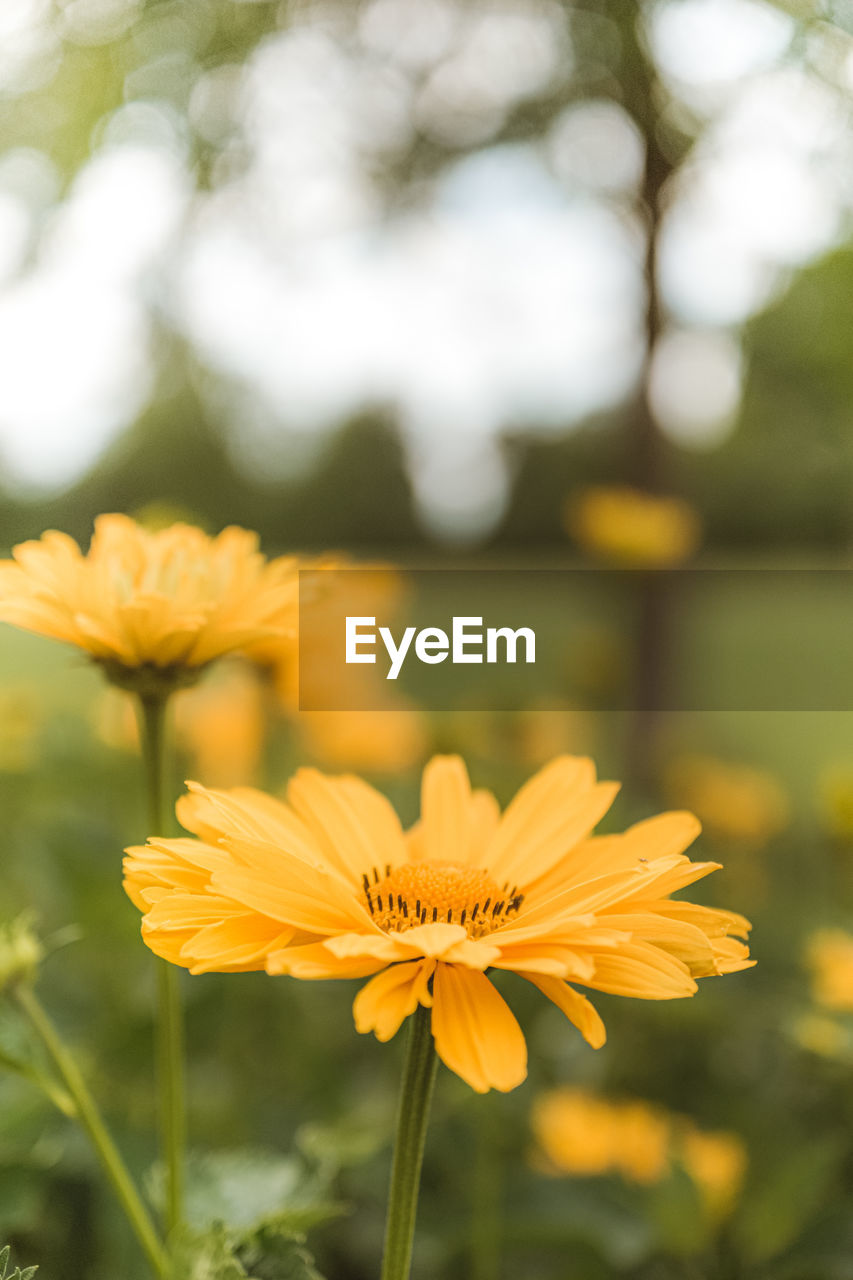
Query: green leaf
{"points": [[273, 1252], [243, 1189], [17, 1274], [29, 1071], [207, 1256], [270, 1252]]}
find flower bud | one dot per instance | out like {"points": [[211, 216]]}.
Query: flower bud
{"points": [[21, 952]]}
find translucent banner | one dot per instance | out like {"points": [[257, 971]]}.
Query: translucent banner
{"points": [[697, 639]]}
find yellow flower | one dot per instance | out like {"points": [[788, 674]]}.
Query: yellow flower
{"points": [[582, 1135], [114, 720], [628, 527], [643, 1134], [332, 588], [222, 725], [586, 1136], [380, 741], [524, 739], [717, 1163], [575, 1131], [21, 714], [820, 1034], [543, 732], [158, 605], [733, 801], [326, 884], [830, 958], [836, 795]]}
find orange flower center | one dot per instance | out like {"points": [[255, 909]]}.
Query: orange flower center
{"points": [[439, 892]]}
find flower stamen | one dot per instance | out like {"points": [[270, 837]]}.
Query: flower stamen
{"points": [[439, 892]]}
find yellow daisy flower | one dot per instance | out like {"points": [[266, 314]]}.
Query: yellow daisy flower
{"points": [[585, 1135], [389, 740], [830, 958], [222, 725], [160, 604], [326, 884], [717, 1163], [627, 527], [734, 801]]}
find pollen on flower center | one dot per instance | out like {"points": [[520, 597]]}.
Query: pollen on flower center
{"points": [[439, 892]]}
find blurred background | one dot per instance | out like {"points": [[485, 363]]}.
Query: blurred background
{"points": [[456, 282], [396, 273]]}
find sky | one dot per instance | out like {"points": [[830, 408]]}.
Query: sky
{"points": [[508, 292]]}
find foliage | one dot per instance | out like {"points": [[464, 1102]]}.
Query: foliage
{"points": [[269, 1252], [17, 1274], [244, 1188], [247, 1213]]}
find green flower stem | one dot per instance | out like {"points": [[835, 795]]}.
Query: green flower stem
{"points": [[90, 1118], [485, 1239], [170, 1029], [412, 1116], [170, 1060]]}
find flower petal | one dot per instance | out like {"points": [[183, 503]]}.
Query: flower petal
{"points": [[476, 1035], [314, 960], [205, 933], [445, 827], [664, 836], [352, 824], [575, 1006], [558, 807], [391, 996], [643, 971], [153, 869], [271, 881], [245, 813], [545, 957]]}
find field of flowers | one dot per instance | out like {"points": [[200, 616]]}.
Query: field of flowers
{"points": [[708, 1137], [529, 314]]}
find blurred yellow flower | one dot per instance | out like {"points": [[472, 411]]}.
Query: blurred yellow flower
{"points": [[829, 956], [391, 741], [385, 735], [152, 606], [717, 1164], [580, 1134], [326, 884], [333, 587], [526, 738], [630, 528], [577, 1132], [543, 732], [836, 800], [821, 1034], [733, 801], [222, 725], [21, 714], [585, 1135], [115, 721], [643, 1141]]}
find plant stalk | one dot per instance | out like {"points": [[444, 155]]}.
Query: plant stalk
{"points": [[412, 1117], [170, 1029], [90, 1118]]}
